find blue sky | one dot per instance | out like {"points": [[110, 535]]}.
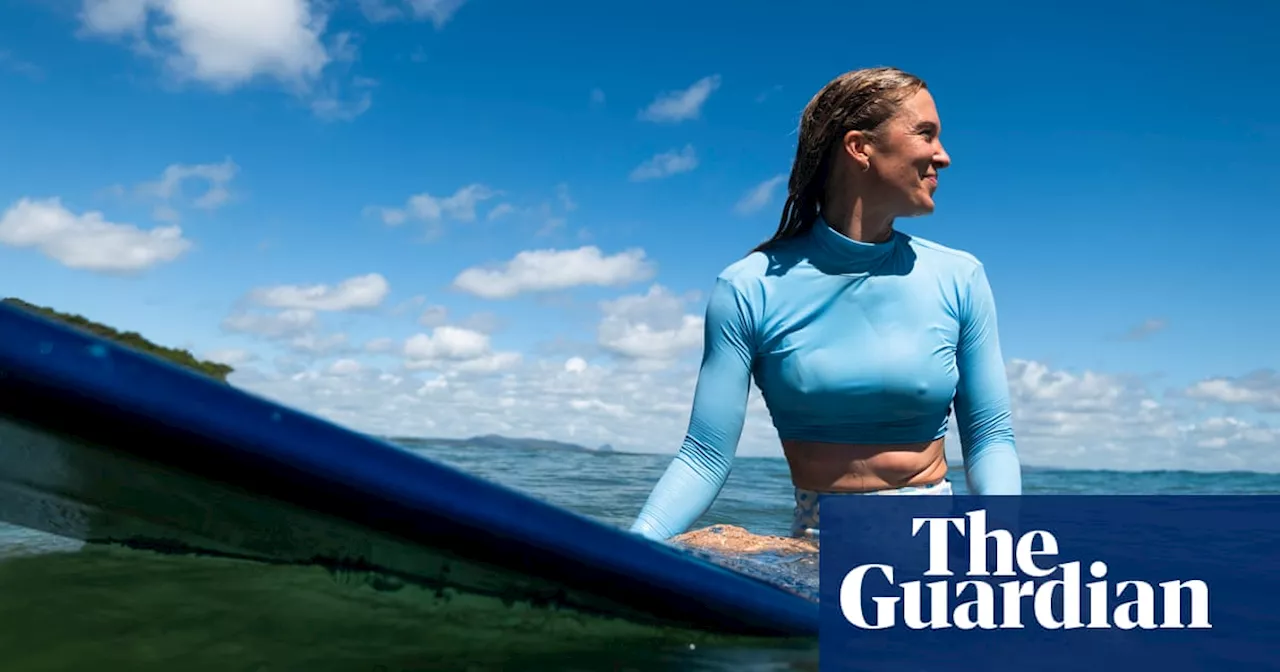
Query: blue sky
{"points": [[449, 217]]}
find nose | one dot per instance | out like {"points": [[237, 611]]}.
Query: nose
{"points": [[941, 158]]}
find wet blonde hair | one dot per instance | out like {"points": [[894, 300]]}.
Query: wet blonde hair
{"points": [[859, 100]]}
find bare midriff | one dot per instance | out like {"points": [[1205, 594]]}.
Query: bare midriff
{"points": [[839, 467]]}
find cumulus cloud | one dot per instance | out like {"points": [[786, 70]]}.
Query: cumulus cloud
{"points": [[1259, 390], [653, 326], [225, 44], [666, 164], [683, 104], [456, 350], [232, 43], [552, 270], [355, 293], [88, 241], [289, 314], [293, 322], [446, 342], [299, 331], [1107, 421]]}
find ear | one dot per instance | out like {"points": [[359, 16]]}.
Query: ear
{"points": [[857, 146]]}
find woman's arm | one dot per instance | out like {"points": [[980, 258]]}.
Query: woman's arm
{"points": [[698, 472], [982, 396]]}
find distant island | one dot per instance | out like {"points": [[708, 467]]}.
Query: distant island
{"points": [[503, 442], [131, 339]]}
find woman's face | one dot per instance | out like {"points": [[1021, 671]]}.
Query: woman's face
{"points": [[904, 159]]}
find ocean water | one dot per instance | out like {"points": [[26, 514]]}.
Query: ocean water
{"points": [[68, 607]]}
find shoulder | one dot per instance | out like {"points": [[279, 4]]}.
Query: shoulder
{"points": [[946, 258], [738, 292], [959, 270], [751, 273], [745, 271]]}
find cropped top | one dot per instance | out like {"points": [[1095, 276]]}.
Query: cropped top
{"points": [[848, 342]]}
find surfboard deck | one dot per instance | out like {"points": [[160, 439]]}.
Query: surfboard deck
{"points": [[107, 444]]}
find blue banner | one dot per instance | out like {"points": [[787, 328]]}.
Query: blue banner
{"points": [[1050, 583]]}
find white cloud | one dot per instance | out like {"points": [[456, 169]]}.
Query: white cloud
{"points": [[435, 210], [650, 326], [291, 322], [226, 43], [566, 400], [438, 12], [318, 344], [233, 43], [1106, 421], [88, 241], [682, 105], [666, 164], [456, 350], [759, 196], [551, 270], [345, 367], [1259, 390], [355, 293], [297, 329], [168, 188], [446, 342]]}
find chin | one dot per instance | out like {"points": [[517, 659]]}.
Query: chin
{"points": [[920, 208], [925, 205]]}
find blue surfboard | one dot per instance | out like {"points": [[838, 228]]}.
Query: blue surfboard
{"points": [[107, 444]]}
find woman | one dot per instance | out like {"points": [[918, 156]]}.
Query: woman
{"points": [[859, 337]]}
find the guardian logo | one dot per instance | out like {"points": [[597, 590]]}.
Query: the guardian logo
{"points": [[1032, 555]]}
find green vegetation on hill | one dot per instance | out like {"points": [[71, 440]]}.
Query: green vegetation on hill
{"points": [[128, 338]]}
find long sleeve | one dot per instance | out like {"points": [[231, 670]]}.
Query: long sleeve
{"points": [[983, 417], [698, 472]]}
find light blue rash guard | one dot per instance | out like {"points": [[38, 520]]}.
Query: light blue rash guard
{"points": [[849, 342]]}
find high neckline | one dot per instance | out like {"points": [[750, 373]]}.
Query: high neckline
{"points": [[837, 250]]}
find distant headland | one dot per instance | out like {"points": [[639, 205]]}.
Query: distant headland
{"points": [[501, 442]]}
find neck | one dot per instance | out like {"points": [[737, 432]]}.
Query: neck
{"points": [[855, 222]]}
